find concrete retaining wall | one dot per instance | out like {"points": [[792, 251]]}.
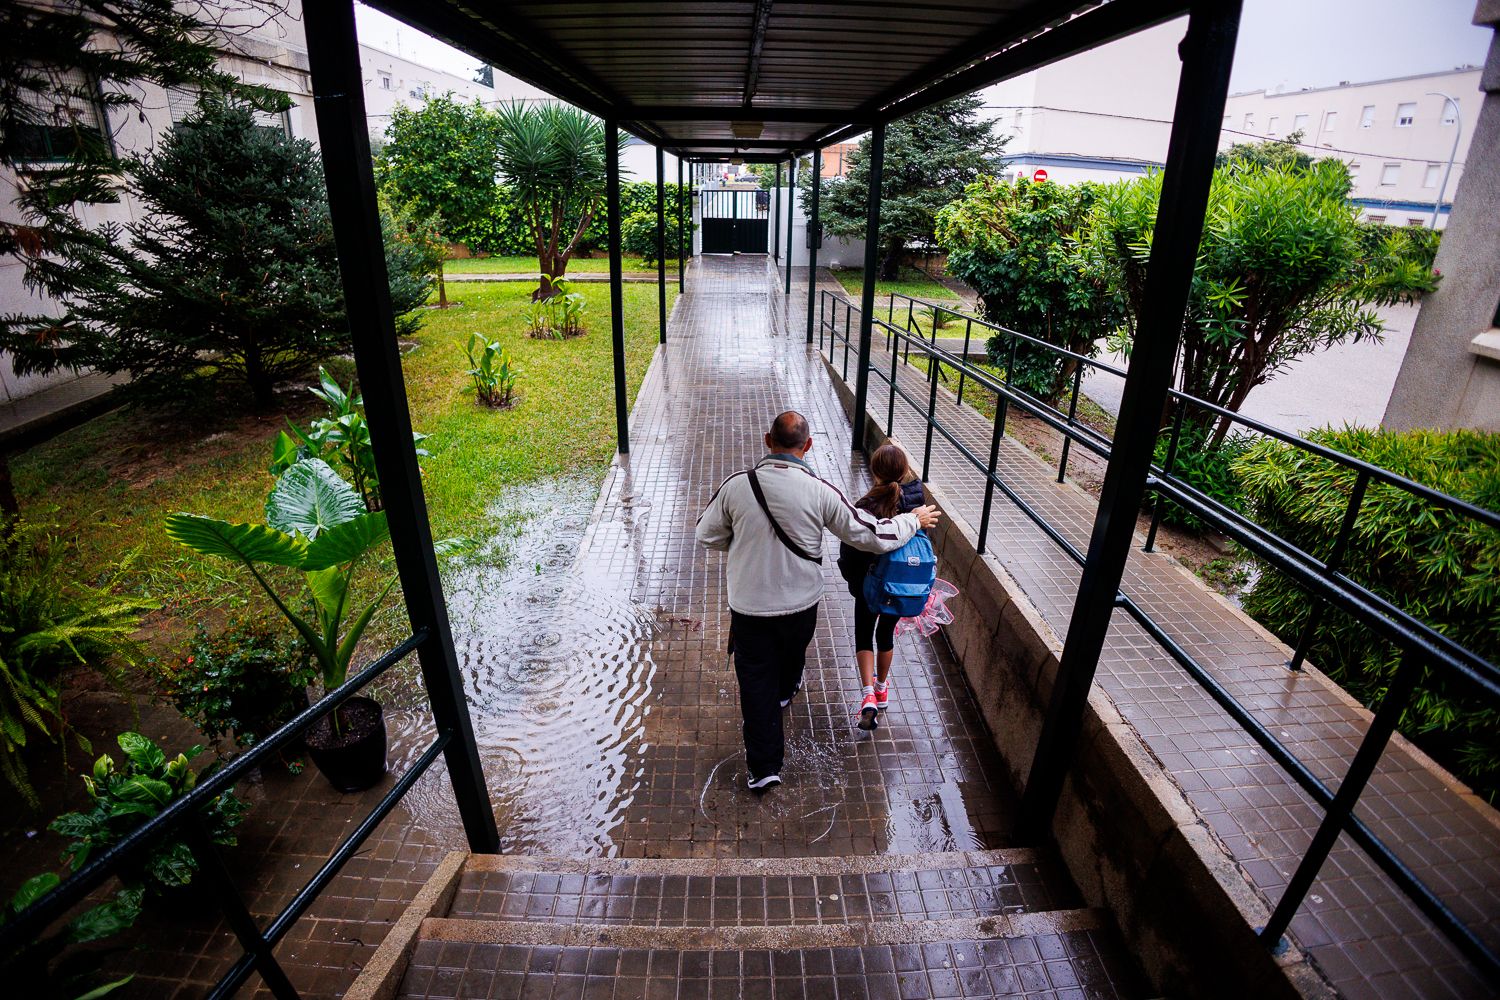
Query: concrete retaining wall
{"points": [[1128, 836]]}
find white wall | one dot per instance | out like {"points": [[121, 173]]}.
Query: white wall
{"points": [[835, 252]]}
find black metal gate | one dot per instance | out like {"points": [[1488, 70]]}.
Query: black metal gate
{"points": [[735, 221]]}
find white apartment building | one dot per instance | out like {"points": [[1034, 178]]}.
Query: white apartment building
{"points": [[1395, 135]]}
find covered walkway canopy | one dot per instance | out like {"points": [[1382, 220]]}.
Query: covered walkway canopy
{"points": [[765, 80]]}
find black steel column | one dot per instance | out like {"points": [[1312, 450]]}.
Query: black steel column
{"points": [[791, 206], [681, 229], [1207, 55], [776, 216], [661, 245], [867, 293], [812, 241], [343, 134], [616, 289]]}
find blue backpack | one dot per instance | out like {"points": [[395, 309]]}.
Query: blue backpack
{"points": [[899, 582]]}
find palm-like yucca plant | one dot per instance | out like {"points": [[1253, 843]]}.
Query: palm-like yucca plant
{"points": [[317, 525], [552, 155], [48, 621]]}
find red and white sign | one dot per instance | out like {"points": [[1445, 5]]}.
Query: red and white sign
{"points": [[1040, 175]]}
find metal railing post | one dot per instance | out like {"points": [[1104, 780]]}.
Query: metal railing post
{"points": [[1360, 769], [616, 281], [1062, 465], [1334, 563], [968, 330], [989, 480], [227, 897], [932, 383], [1002, 401], [867, 292], [1157, 507], [890, 413], [681, 230], [812, 237], [1207, 52], [661, 244], [338, 93]]}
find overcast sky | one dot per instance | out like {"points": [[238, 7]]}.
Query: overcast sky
{"points": [[1294, 43]]}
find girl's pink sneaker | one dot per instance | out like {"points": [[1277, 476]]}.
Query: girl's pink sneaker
{"points": [[883, 697]]}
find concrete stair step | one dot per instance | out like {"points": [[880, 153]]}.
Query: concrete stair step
{"points": [[761, 892], [1071, 954], [956, 924]]}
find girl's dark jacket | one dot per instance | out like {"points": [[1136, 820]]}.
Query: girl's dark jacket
{"points": [[854, 563]]}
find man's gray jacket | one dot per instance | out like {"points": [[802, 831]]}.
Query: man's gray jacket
{"points": [[765, 577]]}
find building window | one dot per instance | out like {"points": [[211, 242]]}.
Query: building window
{"points": [[1375, 219], [57, 127], [1330, 120], [1367, 116], [1405, 115], [1353, 173], [1390, 173], [1226, 120], [1430, 176], [1450, 112], [1271, 125], [385, 80], [1249, 123], [181, 102], [1299, 124], [1416, 223]]}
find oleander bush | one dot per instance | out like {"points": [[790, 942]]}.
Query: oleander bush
{"points": [[1203, 465], [1436, 565]]}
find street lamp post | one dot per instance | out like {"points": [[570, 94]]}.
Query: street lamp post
{"points": [[1458, 123]]}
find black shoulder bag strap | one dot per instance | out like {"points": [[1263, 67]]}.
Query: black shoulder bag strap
{"points": [[760, 498]]}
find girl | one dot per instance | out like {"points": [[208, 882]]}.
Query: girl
{"points": [[896, 491]]}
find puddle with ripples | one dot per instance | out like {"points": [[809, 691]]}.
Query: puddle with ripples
{"points": [[557, 669]]}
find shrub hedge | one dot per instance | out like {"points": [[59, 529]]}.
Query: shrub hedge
{"points": [[504, 230], [1438, 566]]}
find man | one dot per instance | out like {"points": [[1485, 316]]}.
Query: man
{"points": [[770, 519]]}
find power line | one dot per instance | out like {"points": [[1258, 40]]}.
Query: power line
{"points": [[1226, 131]]}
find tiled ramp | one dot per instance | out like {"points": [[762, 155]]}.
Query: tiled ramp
{"points": [[1359, 929], [899, 927]]}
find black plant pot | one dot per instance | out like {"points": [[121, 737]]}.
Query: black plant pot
{"points": [[351, 757]]}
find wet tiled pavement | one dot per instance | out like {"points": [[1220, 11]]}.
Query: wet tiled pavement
{"points": [[844, 881], [1358, 928]]}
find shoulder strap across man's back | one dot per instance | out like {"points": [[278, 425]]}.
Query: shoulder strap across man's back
{"points": [[760, 498]]}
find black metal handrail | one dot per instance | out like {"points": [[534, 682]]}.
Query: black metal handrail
{"points": [[183, 813], [1421, 644]]}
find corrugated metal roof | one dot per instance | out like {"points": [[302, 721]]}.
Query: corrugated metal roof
{"points": [[682, 73]]}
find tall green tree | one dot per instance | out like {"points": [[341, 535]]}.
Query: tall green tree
{"points": [[1014, 244], [552, 158], [1283, 271], [228, 284], [441, 159], [929, 158]]}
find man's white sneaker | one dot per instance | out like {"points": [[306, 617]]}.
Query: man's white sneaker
{"points": [[788, 699], [761, 784]]}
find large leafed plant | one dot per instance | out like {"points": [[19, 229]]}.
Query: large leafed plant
{"points": [[316, 525]]}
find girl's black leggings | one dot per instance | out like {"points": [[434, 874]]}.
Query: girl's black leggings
{"points": [[869, 626]]}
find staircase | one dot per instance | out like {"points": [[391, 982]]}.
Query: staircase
{"points": [[995, 923]]}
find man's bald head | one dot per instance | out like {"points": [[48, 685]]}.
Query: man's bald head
{"points": [[789, 432]]}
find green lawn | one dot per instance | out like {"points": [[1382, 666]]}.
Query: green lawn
{"points": [[528, 265], [912, 282], [110, 482]]}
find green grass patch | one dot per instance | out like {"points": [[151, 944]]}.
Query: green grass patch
{"points": [[912, 282], [528, 265], [112, 480]]}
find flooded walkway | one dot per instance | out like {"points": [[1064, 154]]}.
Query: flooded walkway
{"points": [[927, 781]]}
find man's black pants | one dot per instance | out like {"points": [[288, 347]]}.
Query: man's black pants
{"points": [[769, 654]]}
